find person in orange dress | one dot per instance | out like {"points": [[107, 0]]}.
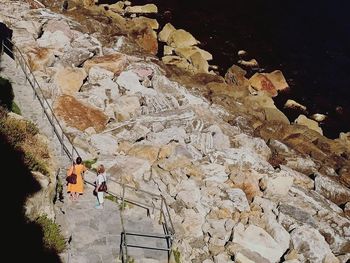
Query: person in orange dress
{"points": [[77, 189]]}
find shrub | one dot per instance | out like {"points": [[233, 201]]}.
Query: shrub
{"points": [[59, 190], [177, 255], [31, 128], [15, 130], [111, 197], [52, 236], [89, 163], [34, 164], [15, 108]]}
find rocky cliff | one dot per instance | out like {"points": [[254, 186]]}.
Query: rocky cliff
{"points": [[243, 184]]}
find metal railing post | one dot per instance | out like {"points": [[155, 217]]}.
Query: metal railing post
{"points": [[123, 197], [161, 211]]}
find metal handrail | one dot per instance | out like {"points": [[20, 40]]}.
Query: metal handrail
{"points": [[164, 219], [61, 136]]}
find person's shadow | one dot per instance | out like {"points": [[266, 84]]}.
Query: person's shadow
{"points": [[21, 239]]}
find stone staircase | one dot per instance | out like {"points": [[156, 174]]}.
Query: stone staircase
{"points": [[93, 235]]}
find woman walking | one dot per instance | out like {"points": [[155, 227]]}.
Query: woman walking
{"points": [[76, 189], [100, 179]]}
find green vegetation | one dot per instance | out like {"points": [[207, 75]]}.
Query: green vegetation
{"points": [[15, 108], [111, 197], [177, 255], [123, 205], [59, 190], [52, 236], [130, 259], [88, 163], [22, 134]]}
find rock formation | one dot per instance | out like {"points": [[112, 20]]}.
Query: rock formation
{"points": [[242, 183]]}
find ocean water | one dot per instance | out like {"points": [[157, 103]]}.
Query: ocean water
{"points": [[308, 40]]}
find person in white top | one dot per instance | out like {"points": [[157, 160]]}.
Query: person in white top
{"points": [[100, 178]]}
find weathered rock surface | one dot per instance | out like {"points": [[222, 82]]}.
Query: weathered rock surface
{"points": [[240, 181]]}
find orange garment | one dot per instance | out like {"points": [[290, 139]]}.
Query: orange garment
{"points": [[79, 186]]}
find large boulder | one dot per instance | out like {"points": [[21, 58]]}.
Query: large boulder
{"points": [[112, 62], [310, 243], [78, 115], [256, 239], [311, 124], [181, 38], [69, 80], [164, 34], [145, 9], [269, 82]]}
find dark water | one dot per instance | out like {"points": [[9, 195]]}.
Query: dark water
{"points": [[308, 40]]}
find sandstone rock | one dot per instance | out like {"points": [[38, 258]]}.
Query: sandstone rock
{"points": [[241, 53], [309, 242], [278, 80], [70, 80], [152, 23], [131, 82], [318, 117], [145, 37], [309, 208], [168, 51], [96, 74], [269, 82], [146, 9], [250, 63], [248, 181], [148, 152], [265, 104], [240, 258], [177, 61], [56, 40], [274, 114], [39, 58], [347, 209], [192, 224], [199, 63], [311, 124], [59, 25], [222, 258], [32, 27], [332, 190], [277, 185], [187, 52], [214, 172], [164, 34], [70, 110], [239, 199], [113, 62], [127, 107], [74, 57], [181, 38], [168, 135], [104, 143], [236, 76], [298, 178], [256, 239], [117, 7], [292, 104]]}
